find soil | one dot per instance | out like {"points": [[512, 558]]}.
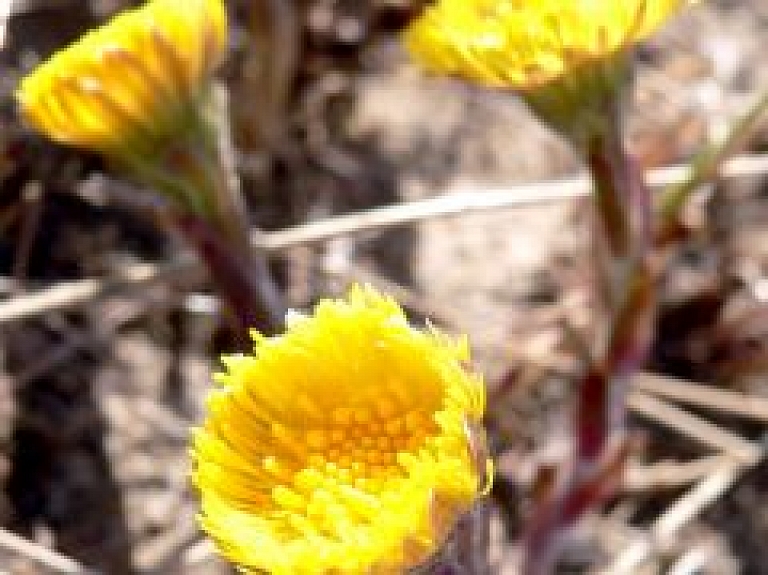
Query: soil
{"points": [[97, 399]]}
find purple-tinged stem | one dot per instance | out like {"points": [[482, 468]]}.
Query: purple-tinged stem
{"points": [[242, 277], [623, 226], [197, 170]]}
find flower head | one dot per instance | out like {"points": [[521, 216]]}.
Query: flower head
{"points": [[128, 83], [345, 446], [523, 44]]}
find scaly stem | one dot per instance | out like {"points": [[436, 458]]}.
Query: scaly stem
{"points": [[623, 206], [242, 277], [622, 237], [208, 208]]}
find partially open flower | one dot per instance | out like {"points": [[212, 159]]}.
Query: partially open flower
{"points": [[524, 44], [348, 445], [564, 56], [125, 87]]}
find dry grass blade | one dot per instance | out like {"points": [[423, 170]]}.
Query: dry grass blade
{"points": [[72, 293], [671, 474], [50, 559], [698, 429], [466, 199], [739, 455], [458, 201], [708, 162], [677, 515], [703, 396]]}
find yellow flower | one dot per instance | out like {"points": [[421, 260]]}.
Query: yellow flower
{"points": [[127, 85], [523, 44], [348, 445]]}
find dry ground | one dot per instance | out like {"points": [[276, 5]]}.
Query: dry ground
{"points": [[97, 397]]}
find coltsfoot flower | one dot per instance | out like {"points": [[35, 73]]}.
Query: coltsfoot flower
{"points": [[126, 87], [524, 44], [568, 58], [348, 445]]}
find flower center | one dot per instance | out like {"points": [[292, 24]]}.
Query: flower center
{"points": [[347, 464], [359, 446]]}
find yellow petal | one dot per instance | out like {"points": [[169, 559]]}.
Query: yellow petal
{"points": [[128, 79], [355, 425], [525, 43]]}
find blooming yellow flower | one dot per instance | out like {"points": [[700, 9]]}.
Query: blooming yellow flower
{"points": [[347, 445], [523, 44], [129, 83]]}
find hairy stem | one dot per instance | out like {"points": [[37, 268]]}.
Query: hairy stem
{"points": [[622, 235], [217, 224]]}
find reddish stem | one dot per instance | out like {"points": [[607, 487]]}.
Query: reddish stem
{"points": [[591, 424], [243, 279], [623, 209]]}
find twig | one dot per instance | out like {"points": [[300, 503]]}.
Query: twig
{"points": [[693, 426], [42, 555], [700, 395], [470, 198], [680, 513], [459, 200], [671, 474], [698, 497], [68, 294]]}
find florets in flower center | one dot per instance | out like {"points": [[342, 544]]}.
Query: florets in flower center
{"points": [[341, 446]]}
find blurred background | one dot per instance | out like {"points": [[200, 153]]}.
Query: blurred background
{"points": [[107, 342]]}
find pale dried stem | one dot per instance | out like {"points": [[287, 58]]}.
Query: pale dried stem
{"points": [[704, 396], [671, 474], [680, 513], [48, 558], [459, 201], [694, 427]]}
